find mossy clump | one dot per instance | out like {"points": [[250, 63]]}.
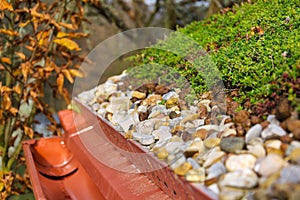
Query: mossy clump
{"points": [[252, 45]]}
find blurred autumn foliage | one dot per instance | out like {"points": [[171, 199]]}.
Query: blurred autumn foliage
{"points": [[37, 47]]}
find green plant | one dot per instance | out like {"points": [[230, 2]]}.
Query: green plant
{"points": [[37, 47], [252, 45]]}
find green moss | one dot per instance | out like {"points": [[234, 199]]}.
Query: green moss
{"points": [[252, 45]]}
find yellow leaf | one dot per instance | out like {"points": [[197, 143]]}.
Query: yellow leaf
{"points": [[24, 24], [43, 37], [71, 35], [4, 5], [69, 44], [60, 83], [9, 32], [17, 72], [6, 102], [28, 131], [76, 72], [6, 60], [68, 75]]}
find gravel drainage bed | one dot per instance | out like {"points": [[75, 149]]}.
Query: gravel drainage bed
{"points": [[236, 155]]}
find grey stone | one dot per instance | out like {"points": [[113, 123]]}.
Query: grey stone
{"points": [[232, 144]]}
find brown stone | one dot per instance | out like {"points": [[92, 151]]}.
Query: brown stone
{"points": [[286, 139], [283, 110], [247, 123], [186, 136], [177, 129], [161, 89], [284, 147], [292, 125], [234, 105], [151, 100], [147, 88], [174, 114], [201, 133], [143, 116], [202, 111], [254, 120], [241, 116], [240, 130], [296, 134], [207, 121]]}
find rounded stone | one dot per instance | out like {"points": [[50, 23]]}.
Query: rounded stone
{"points": [[253, 132], [195, 175], [212, 157], [272, 130], [183, 168], [145, 127], [171, 102], [216, 170], [244, 178], [201, 133], [295, 156], [211, 142], [275, 144], [138, 95], [237, 162], [257, 150], [162, 154], [232, 144], [269, 165]]}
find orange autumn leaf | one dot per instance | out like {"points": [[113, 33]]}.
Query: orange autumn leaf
{"points": [[68, 75], [5, 89], [21, 55], [13, 110], [6, 102], [17, 89], [60, 83], [4, 5], [69, 44], [68, 26], [33, 93], [28, 131], [66, 96], [25, 67], [76, 72], [9, 32], [1, 114], [6, 60], [34, 12], [23, 24]]}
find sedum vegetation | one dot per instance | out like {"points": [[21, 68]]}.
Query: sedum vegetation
{"points": [[255, 47]]}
